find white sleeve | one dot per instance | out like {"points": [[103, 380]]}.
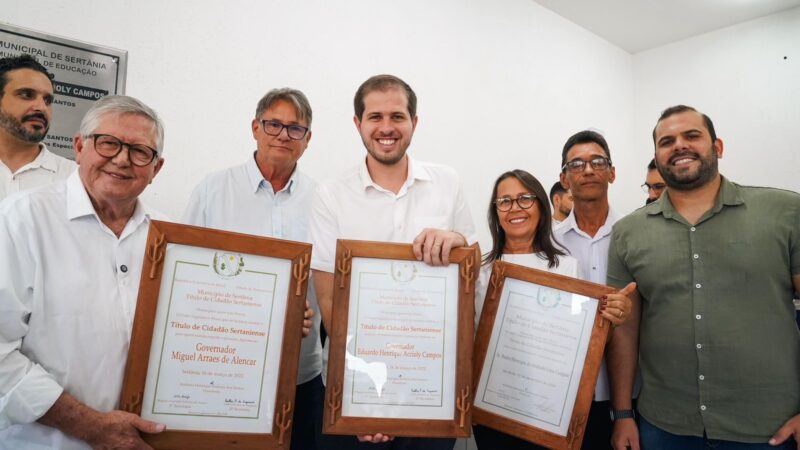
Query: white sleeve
{"points": [[27, 390], [462, 218], [323, 231], [481, 287], [195, 213]]}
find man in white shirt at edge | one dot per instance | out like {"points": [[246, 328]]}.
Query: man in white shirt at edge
{"points": [[72, 255], [587, 172], [387, 197], [269, 196], [26, 108]]}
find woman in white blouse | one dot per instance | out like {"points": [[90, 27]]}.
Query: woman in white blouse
{"points": [[521, 225]]}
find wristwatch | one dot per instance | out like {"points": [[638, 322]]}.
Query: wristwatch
{"points": [[622, 414]]}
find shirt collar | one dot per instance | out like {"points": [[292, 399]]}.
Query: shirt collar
{"points": [[256, 178], [416, 171], [44, 160], [729, 195], [571, 224], [80, 205]]}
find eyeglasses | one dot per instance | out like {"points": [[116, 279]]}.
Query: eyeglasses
{"points": [[579, 165], [658, 187], [524, 201], [274, 128], [109, 146]]}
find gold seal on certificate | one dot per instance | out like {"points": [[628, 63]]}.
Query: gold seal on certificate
{"points": [[216, 336], [538, 350], [401, 341]]}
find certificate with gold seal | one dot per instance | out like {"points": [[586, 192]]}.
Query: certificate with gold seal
{"points": [[216, 336], [400, 344]]}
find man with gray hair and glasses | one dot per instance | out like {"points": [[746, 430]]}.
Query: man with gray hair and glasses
{"points": [[269, 196], [72, 255]]}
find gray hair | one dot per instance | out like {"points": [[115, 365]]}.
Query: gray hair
{"points": [[121, 104], [293, 96]]}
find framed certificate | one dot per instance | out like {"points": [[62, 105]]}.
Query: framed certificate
{"points": [[216, 338], [538, 351], [401, 343]]}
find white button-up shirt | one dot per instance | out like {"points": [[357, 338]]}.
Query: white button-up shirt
{"points": [[592, 255], [68, 290], [239, 199], [46, 168], [354, 207]]}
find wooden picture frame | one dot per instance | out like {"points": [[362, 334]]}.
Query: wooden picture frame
{"points": [[455, 420], [164, 242], [571, 436]]}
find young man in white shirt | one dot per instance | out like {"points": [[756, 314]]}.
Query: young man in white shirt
{"points": [[26, 97], [268, 195], [387, 197]]}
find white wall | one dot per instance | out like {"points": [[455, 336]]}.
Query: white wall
{"points": [[739, 77], [501, 84]]}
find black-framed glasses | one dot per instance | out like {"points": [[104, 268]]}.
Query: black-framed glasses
{"points": [[274, 128], [109, 146], [579, 165], [657, 187], [524, 201]]}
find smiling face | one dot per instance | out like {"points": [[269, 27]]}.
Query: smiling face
{"points": [[590, 184], [386, 127], [685, 154], [279, 152], [115, 182], [26, 105], [519, 224]]}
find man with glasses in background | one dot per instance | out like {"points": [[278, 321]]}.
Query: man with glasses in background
{"points": [[71, 255], [269, 196], [26, 107], [586, 171], [653, 185]]}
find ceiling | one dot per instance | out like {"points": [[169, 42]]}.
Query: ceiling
{"points": [[638, 25]]}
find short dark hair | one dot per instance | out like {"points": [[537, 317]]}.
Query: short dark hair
{"points": [[383, 83], [543, 241], [677, 109], [555, 190], [651, 165], [584, 137], [23, 61]]}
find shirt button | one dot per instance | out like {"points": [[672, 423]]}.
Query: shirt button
{"points": [[696, 256], [698, 285], [698, 317], [123, 268], [702, 377], [699, 345], [702, 407], [693, 229]]}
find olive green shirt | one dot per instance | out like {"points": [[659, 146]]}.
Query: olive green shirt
{"points": [[719, 349]]}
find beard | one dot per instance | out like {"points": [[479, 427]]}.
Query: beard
{"points": [[564, 211], [389, 159], [687, 181], [15, 128]]}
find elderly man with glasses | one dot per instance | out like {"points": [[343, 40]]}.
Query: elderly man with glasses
{"points": [[71, 256], [269, 196]]}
